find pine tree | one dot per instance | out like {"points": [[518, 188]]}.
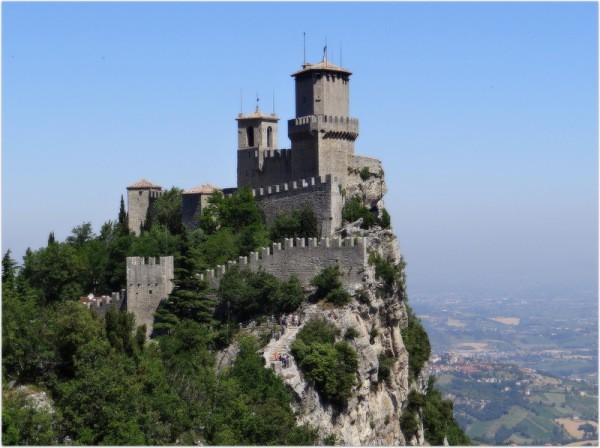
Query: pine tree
{"points": [[51, 239], [9, 268], [123, 225], [190, 299]]}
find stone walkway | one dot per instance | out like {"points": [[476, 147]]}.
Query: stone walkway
{"points": [[291, 374]]}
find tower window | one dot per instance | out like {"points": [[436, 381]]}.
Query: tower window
{"points": [[250, 135], [269, 136]]}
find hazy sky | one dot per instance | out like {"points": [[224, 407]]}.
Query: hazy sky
{"points": [[485, 116]]}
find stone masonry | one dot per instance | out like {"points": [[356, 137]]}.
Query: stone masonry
{"points": [[147, 284], [140, 197], [322, 136], [304, 258]]}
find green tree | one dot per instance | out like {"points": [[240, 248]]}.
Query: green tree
{"points": [[190, 298]]}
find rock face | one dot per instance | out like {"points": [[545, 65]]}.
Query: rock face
{"points": [[372, 414]]}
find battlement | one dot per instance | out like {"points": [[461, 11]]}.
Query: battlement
{"points": [[327, 123], [303, 257], [322, 119], [149, 261], [253, 153]]}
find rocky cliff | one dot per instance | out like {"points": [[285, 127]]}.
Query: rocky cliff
{"points": [[376, 315]]}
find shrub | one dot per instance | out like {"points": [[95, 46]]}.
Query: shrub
{"points": [[330, 440], [438, 419], [386, 361], [363, 297], [244, 294], [354, 209], [365, 174], [409, 423], [373, 334], [417, 344], [301, 223], [331, 366], [386, 220], [329, 286], [351, 333]]}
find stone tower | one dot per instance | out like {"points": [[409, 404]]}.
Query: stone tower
{"points": [[259, 161], [147, 284], [140, 197], [323, 133]]}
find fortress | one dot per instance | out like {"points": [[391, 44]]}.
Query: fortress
{"points": [[318, 171]]}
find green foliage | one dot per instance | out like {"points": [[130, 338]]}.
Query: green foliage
{"points": [[409, 423], [329, 286], [245, 294], [9, 269], [354, 209], [417, 344], [364, 173], [23, 424], [167, 211], [330, 440], [301, 223], [438, 419], [330, 365], [351, 333], [190, 298], [55, 272], [386, 362], [386, 219], [373, 333]]}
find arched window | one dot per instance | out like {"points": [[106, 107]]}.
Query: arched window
{"points": [[250, 135], [269, 136]]}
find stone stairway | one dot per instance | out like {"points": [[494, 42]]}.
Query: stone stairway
{"points": [[291, 374]]}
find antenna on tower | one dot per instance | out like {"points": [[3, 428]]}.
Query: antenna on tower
{"points": [[325, 52], [304, 63], [257, 102]]}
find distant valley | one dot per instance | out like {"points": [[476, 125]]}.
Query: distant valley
{"points": [[520, 370]]}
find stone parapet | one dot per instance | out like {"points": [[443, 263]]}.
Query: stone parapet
{"points": [[303, 257], [326, 123]]}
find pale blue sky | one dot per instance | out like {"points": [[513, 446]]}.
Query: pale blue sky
{"points": [[484, 115]]}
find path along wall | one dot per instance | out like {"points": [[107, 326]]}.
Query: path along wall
{"points": [[303, 257]]}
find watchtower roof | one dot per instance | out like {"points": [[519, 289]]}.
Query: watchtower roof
{"points": [[257, 114], [202, 189], [323, 65], [143, 183]]}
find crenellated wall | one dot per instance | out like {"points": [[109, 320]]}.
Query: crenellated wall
{"points": [[262, 167], [322, 194], [303, 257], [147, 284]]}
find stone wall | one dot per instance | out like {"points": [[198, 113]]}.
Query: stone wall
{"points": [[322, 194], [147, 284], [139, 201], [305, 258], [260, 167]]}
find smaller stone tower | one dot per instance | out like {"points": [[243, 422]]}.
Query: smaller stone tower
{"points": [[140, 197], [194, 201], [147, 284], [260, 162]]}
